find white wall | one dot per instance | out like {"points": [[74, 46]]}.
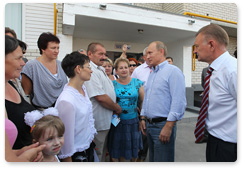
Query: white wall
{"points": [[181, 53], [187, 65], [109, 45], [37, 18], [129, 14], [66, 45]]}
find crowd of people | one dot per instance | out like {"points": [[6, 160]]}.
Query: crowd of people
{"points": [[83, 108]]}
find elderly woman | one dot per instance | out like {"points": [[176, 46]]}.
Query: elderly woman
{"points": [[125, 136], [17, 81], [75, 110], [108, 65], [15, 104], [17, 133], [43, 78]]}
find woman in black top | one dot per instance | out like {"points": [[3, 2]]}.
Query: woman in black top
{"points": [[15, 104]]}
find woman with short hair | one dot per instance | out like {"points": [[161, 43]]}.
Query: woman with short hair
{"points": [[43, 78], [75, 110]]}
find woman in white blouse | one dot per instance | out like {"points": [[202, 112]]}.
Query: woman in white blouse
{"points": [[75, 110]]}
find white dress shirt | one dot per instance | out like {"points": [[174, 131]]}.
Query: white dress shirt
{"points": [[142, 73], [221, 121]]}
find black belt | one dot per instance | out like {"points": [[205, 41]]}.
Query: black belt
{"points": [[156, 120]]}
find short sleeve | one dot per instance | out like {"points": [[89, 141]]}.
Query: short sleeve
{"points": [[94, 86], [28, 69], [138, 83]]}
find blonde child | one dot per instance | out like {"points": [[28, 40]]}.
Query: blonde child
{"points": [[48, 129]]}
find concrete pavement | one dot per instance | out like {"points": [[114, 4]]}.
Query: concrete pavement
{"points": [[186, 150]]}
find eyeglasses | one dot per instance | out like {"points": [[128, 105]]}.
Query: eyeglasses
{"points": [[133, 65], [89, 67]]}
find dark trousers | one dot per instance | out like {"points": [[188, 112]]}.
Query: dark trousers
{"points": [[220, 151], [142, 154], [85, 156]]}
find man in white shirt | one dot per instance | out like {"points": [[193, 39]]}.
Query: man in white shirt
{"points": [[221, 121], [142, 72], [102, 95]]}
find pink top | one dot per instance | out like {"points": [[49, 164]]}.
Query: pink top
{"points": [[11, 131]]}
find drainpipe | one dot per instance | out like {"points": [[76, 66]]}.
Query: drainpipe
{"points": [[55, 19], [208, 17], [193, 59]]}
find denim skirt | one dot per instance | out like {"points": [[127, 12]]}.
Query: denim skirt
{"points": [[125, 140]]}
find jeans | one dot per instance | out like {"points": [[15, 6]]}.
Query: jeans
{"points": [[159, 152]]}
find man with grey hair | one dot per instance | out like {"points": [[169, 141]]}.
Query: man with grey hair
{"points": [[218, 111], [164, 104]]}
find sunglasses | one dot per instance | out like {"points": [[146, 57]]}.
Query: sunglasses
{"points": [[133, 65]]}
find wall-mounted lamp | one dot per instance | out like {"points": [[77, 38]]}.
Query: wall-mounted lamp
{"points": [[140, 31], [103, 6], [190, 22]]}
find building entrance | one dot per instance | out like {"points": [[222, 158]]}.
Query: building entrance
{"points": [[114, 55]]}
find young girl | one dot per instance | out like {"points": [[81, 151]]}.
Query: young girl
{"points": [[48, 129]]}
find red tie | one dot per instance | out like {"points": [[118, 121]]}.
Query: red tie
{"points": [[201, 121]]}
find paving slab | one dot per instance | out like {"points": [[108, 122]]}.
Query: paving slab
{"points": [[186, 150]]}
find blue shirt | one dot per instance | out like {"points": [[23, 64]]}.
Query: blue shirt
{"points": [[127, 98], [165, 93]]}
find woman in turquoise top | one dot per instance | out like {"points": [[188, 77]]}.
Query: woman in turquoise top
{"points": [[124, 138]]}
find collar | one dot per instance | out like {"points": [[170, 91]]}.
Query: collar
{"points": [[92, 63], [217, 62], [96, 66], [160, 66], [145, 65]]}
